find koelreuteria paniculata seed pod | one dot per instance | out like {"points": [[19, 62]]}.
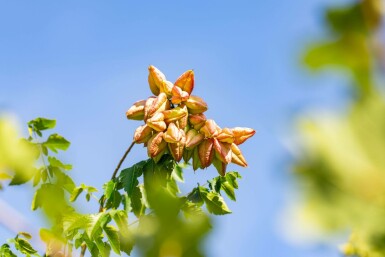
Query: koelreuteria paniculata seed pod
{"points": [[174, 123]]}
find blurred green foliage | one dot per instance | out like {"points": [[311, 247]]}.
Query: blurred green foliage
{"points": [[341, 169], [167, 222]]}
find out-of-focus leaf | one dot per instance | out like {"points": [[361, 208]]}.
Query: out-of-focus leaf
{"points": [[113, 238], [56, 142], [57, 163], [41, 124]]}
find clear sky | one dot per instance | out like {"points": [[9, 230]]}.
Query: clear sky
{"points": [[85, 62]]}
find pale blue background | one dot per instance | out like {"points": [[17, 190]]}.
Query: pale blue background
{"points": [[85, 62]]}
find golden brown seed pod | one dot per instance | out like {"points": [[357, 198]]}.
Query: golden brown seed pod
{"points": [[197, 120], [226, 136], [156, 145], [222, 151], [210, 129], [178, 95], [196, 105], [174, 114], [186, 81], [166, 87], [136, 111], [160, 104], [237, 156], [155, 79], [173, 134], [242, 134], [193, 138], [206, 152], [147, 107], [142, 134], [157, 122]]}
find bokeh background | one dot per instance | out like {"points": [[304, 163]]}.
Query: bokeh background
{"points": [[84, 63]]}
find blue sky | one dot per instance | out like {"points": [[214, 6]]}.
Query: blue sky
{"points": [[85, 62]]}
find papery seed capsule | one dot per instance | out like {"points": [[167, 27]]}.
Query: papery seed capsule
{"points": [[226, 136], [157, 122], [206, 152], [147, 107], [166, 87], [237, 156], [155, 79], [242, 134], [136, 111], [174, 114], [182, 122], [210, 129], [220, 166], [186, 81], [222, 151], [142, 134], [160, 104], [193, 138], [197, 120], [173, 134], [187, 155], [195, 105], [196, 160], [156, 145], [178, 95]]}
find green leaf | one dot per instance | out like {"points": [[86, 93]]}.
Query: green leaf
{"points": [[113, 238], [177, 173], [77, 221], [137, 205], [129, 177], [104, 248], [109, 188], [75, 193], [57, 163], [22, 177], [5, 251], [39, 124], [98, 222], [24, 246], [64, 180], [37, 178], [56, 142], [5, 176], [214, 202]]}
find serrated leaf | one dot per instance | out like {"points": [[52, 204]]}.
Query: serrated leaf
{"points": [[229, 190], [177, 173], [214, 202], [57, 163], [56, 142], [113, 237], [5, 251], [137, 205], [104, 248], [232, 177], [172, 187], [98, 222], [39, 124], [37, 178], [109, 188], [64, 180], [129, 177], [24, 246], [77, 221], [75, 193]]}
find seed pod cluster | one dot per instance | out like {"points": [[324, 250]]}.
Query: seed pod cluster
{"points": [[174, 122]]}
